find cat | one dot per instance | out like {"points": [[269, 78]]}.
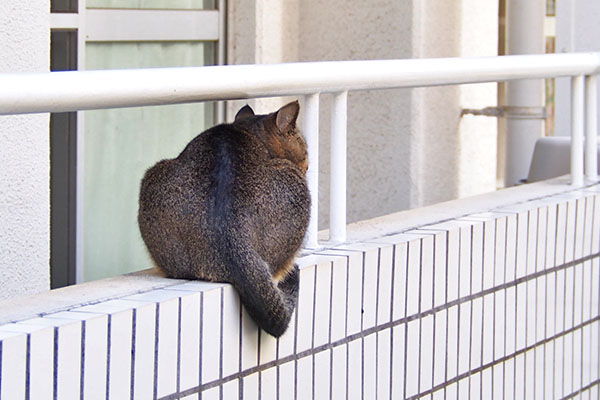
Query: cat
{"points": [[234, 207]]}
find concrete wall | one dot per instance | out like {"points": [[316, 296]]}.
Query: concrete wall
{"points": [[24, 156], [584, 35], [406, 148]]}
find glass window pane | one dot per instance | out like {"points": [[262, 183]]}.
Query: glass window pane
{"points": [[121, 144], [154, 4], [63, 6]]}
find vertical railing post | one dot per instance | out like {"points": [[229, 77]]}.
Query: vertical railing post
{"points": [[577, 98], [591, 128], [337, 200], [310, 129]]}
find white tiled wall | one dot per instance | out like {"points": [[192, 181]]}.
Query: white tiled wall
{"points": [[503, 304]]}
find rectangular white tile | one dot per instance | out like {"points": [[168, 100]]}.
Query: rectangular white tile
{"points": [[322, 304], [464, 338], [531, 312], [567, 364], [477, 253], [68, 360], [41, 357], [465, 261], [511, 248], [305, 308], [231, 331], [120, 345], [412, 358], [521, 244], [487, 345], [559, 367], [339, 384], [595, 289], [580, 222], [520, 374], [439, 362], [287, 386], [211, 335], [488, 253], [268, 384], [569, 297], [369, 289], [476, 332], [541, 239], [338, 298], [355, 369], [384, 294], [452, 391], [509, 379], [549, 370], [540, 308], [413, 277], [398, 361], [486, 383], [145, 351], [475, 386], [211, 394], [322, 375], [383, 363], [551, 235], [532, 241], [499, 324], [440, 269], [539, 371], [521, 302], [268, 348], [577, 358], [355, 283], [500, 251], [452, 343], [167, 347], [510, 315], [369, 373], [498, 378], [561, 232], [250, 387], [551, 301], [570, 230], [304, 383], [452, 272], [249, 341], [463, 388], [189, 342], [13, 352], [426, 354], [399, 285], [427, 273], [578, 293]]}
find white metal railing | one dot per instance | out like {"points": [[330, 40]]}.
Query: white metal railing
{"points": [[84, 90]]}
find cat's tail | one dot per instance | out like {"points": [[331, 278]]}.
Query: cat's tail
{"points": [[270, 305]]}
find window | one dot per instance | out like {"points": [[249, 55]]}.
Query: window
{"points": [[99, 157]]}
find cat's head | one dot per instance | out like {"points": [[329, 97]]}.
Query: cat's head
{"points": [[277, 131]]}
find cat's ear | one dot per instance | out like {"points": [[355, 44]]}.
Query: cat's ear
{"points": [[245, 112], [286, 116]]}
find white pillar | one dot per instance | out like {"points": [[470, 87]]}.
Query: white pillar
{"points": [[337, 205], [525, 99]]}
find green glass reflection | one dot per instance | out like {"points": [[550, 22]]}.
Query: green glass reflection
{"points": [[120, 144]]}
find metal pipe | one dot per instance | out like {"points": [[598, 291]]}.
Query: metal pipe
{"points": [[83, 90], [337, 200], [591, 127], [310, 127], [577, 98]]}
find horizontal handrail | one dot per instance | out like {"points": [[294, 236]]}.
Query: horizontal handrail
{"points": [[84, 90]]}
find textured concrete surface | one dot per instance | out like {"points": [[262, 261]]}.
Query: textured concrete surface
{"points": [[24, 156], [406, 148]]}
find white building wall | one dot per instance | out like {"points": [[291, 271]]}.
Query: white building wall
{"points": [[24, 156], [406, 148], [584, 35]]}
